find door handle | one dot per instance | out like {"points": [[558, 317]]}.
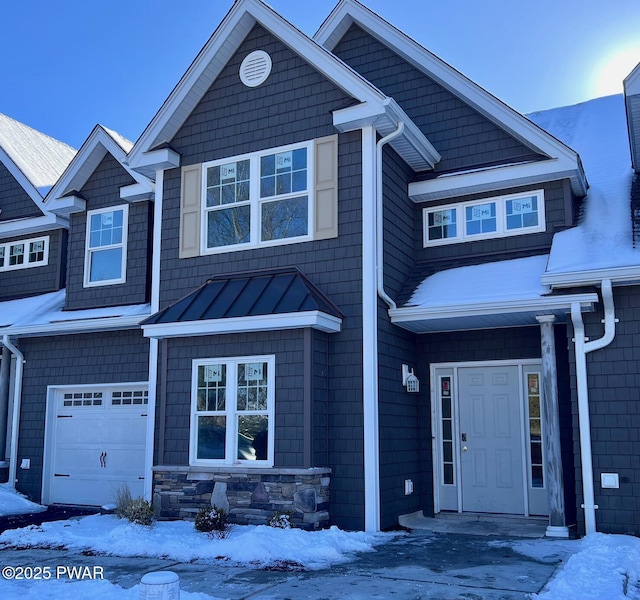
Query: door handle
{"points": [[464, 448], [103, 460]]}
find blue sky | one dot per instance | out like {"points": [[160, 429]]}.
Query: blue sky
{"points": [[70, 64]]}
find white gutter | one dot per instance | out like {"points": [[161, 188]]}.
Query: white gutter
{"points": [[583, 347], [17, 400], [379, 216]]}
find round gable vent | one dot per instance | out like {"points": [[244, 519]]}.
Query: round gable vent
{"points": [[255, 68]]}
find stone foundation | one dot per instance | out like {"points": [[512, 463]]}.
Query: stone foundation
{"points": [[250, 496]]}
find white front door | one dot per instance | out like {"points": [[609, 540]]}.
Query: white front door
{"points": [[487, 439], [491, 459], [97, 444]]}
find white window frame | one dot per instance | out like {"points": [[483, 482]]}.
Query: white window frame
{"points": [[501, 219], [255, 202], [26, 264], [88, 251], [231, 412]]}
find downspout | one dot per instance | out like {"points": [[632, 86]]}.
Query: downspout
{"points": [[583, 347], [379, 216], [17, 401]]}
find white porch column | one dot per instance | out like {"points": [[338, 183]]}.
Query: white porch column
{"points": [[551, 430]]}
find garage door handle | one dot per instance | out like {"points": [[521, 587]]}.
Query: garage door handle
{"points": [[103, 460]]}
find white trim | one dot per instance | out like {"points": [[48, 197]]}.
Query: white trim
{"points": [[532, 136], [4, 261], [88, 251], [32, 225], [313, 318], [501, 231], [230, 411], [492, 179], [84, 325], [151, 419], [630, 275], [370, 335], [255, 201]]}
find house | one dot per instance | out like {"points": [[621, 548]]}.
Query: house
{"points": [[342, 279]]}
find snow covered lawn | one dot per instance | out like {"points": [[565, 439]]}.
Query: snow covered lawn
{"points": [[14, 503]]}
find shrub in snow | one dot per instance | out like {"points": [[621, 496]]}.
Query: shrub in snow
{"points": [[139, 511], [122, 498], [281, 520], [213, 521]]}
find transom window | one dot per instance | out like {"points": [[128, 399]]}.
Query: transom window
{"points": [[258, 199], [492, 217], [233, 411], [106, 247], [24, 254]]}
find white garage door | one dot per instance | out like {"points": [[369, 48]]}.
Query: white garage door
{"points": [[98, 444]]}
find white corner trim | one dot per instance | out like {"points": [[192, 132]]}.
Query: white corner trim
{"points": [[315, 319], [156, 160]]}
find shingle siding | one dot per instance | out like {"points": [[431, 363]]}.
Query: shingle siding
{"points": [[463, 136], [294, 104], [14, 201], [20, 283], [613, 377], [102, 190], [88, 359]]}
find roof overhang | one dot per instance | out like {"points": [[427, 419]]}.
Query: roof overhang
{"points": [[497, 178], [79, 325], [27, 226], [296, 320], [511, 313]]}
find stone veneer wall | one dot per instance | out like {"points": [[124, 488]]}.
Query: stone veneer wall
{"points": [[250, 496]]}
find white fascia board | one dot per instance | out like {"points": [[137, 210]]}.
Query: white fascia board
{"points": [[315, 319], [30, 225], [413, 146], [620, 275], [137, 192], [535, 305], [494, 179], [156, 160], [528, 133], [68, 205], [21, 178], [78, 326], [242, 16]]}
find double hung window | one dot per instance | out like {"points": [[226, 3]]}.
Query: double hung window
{"points": [[106, 246], [264, 198], [501, 216], [233, 411], [23, 254]]}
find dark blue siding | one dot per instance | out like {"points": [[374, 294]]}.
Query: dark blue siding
{"points": [[463, 136], [37, 280], [93, 358], [14, 201], [103, 190]]}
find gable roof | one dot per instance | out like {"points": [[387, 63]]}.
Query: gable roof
{"points": [[35, 161], [563, 161], [62, 199], [251, 301], [374, 107]]}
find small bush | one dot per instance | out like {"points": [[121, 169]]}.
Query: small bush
{"points": [[139, 511], [122, 499], [281, 520], [213, 521]]}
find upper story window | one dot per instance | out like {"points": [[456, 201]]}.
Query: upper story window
{"points": [[24, 254], [501, 216], [264, 198], [233, 403], [106, 246]]}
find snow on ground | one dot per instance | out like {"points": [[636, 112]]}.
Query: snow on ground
{"points": [[603, 567], [14, 503]]}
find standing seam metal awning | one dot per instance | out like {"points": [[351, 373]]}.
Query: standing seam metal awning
{"points": [[248, 301]]}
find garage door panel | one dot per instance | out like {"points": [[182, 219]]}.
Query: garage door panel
{"points": [[99, 442]]}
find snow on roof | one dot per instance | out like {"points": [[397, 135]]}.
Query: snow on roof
{"points": [[122, 141], [41, 158], [519, 279], [597, 130], [15, 311]]}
